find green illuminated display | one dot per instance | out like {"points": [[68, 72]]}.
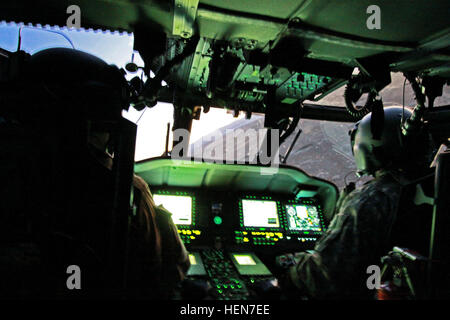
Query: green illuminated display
{"points": [[192, 259], [179, 206], [244, 259], [260, 213], [303, 218]]}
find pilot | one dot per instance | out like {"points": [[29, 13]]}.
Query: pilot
{"points": [[157, 257], [68, 101], [361, 232]]}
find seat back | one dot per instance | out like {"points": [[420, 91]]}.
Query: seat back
{"points": [[55, 210]]}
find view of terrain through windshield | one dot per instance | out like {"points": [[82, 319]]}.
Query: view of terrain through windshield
{"points": [[322, 149]]}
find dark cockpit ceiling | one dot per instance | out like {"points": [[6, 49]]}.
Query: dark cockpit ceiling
{"points": [[249, 51], [405, 23]]}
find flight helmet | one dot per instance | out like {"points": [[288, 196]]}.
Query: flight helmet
{"points": [[377, 141]]}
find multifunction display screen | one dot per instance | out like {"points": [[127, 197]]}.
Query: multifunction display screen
{"points": [[302, 217], [179, 206], [260, 213]]}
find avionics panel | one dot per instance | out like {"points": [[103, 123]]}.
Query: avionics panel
{"points": [[206, 218], [304, 219], [260, 222], [277, 221], [182, 205]]}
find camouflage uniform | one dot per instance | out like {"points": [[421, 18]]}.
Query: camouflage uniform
{"points": [[357, 237]]}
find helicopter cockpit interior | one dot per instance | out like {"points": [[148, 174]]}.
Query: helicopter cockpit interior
{"points": [[233, 220], [276, 59]]}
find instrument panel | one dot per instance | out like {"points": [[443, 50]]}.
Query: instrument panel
{"points": [[236, 220]]}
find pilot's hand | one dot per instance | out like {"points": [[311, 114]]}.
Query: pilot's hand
{"points": [[287, 287], [285, 261], [288, 260]]}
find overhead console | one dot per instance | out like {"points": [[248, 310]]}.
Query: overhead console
{"points": [[235, 220]]}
